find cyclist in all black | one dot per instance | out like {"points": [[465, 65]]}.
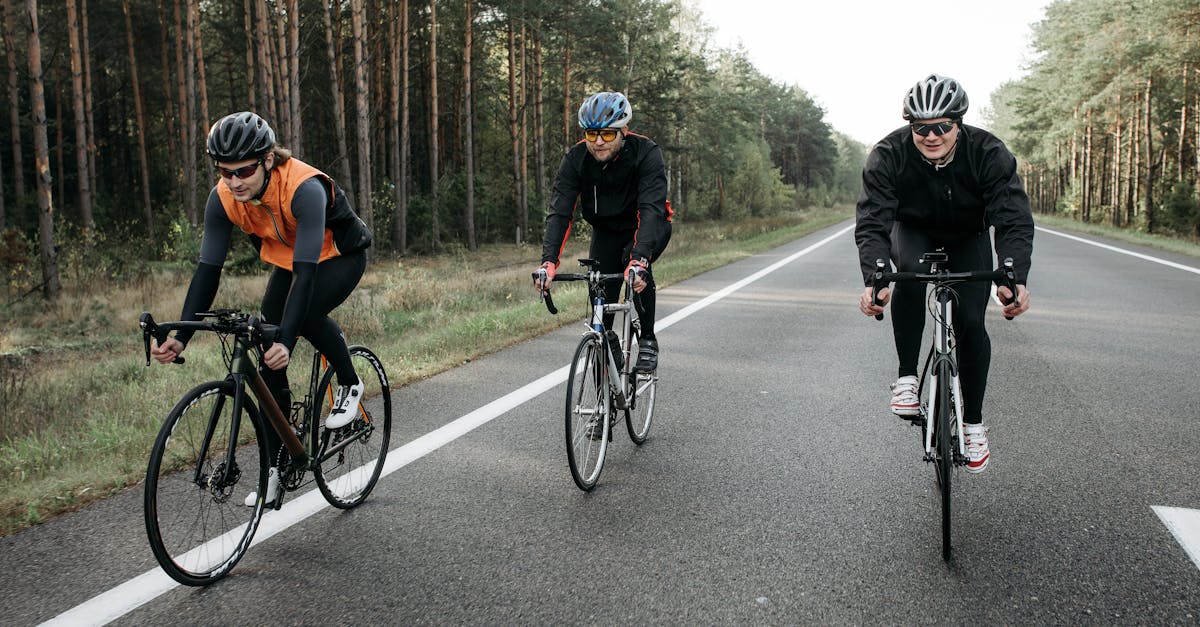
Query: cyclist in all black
{"points": [[940, 183], [619, 181], [303, 225]]}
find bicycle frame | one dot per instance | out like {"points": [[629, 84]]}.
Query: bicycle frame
{"points": [[623, 386]]}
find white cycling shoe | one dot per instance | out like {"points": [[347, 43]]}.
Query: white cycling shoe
{"points": [[272, 490], [345, 406]]}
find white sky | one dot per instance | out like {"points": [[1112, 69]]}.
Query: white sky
{"points": [[857, 58]]}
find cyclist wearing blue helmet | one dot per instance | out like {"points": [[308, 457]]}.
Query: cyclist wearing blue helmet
{"points": [[619, 181], [937, 182]]}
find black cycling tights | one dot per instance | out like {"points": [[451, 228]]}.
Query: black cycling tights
{"points": [[611, 249], [335, 279], [909, 309]]}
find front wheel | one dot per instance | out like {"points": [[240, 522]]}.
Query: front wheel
{"points": [[945, 451], [349, 460], [641, 407], [207, 458], [587, 412]]}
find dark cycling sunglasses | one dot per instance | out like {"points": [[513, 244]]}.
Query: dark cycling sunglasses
{"points": [[607, 134], [938, 128], [243, 172]]}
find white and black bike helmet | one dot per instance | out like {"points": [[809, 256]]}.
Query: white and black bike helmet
{"points": [[935, 97], [240, 136]]}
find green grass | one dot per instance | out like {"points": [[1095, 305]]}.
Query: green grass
{"points": [[1181, 246], [82, 410]]}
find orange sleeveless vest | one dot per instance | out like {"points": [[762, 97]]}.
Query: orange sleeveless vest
{"points": [[271, 219]]}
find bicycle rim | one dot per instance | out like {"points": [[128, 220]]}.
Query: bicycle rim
{"points": [[945, 453], [196, 522], [350, 459], [587, 413], [641, 411]]}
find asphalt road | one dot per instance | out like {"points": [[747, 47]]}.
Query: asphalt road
{"points": [[774, 489]]}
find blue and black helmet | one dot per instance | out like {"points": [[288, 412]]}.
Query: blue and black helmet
{"points": [[935, 97], [607, 109]]}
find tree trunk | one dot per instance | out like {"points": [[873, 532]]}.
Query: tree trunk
{"points": [[433, 126], [363, 115], [339, 107], [539, 134], [201, 77], [1085, 184], [14, 99], [262, 39], [468, 133], [140, 113], [41, 156], [187, 95], [293, 9], [1148, 188], [522, 130], [566, 139], [1116, 170], [393, 50], [518, 210], [252, 93], [60, 135], [168, 90], [401, 232], [90, 127], [81, 152], [1183, 124]]}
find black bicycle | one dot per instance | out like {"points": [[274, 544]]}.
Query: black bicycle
{"points": [[602, 381], [940, 415], [211, 452]]}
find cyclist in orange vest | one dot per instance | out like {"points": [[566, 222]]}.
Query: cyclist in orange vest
{"points": [[302, 224]]}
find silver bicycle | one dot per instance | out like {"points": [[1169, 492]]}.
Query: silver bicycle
{"points": [[602, 381]]}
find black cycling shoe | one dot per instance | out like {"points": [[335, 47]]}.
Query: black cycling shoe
{"points": [[647, 360]]}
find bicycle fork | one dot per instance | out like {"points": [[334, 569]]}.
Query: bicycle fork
{"points": [[942, 356]]}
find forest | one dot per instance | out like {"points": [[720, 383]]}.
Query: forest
{"points": [[1106, 123], [444, 121]]}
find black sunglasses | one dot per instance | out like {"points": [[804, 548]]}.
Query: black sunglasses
{"points": [[243, 172], [937, 128]]}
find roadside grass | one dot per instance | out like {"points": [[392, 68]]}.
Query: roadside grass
{"points": [[1190, 247], [81, 410]]}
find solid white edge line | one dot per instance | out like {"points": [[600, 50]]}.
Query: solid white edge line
{"points": [[124, 598], [1184, 524], [1172, 264]]}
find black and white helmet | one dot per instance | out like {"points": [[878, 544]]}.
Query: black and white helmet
{"points": [[240, 136], [935, 97]]}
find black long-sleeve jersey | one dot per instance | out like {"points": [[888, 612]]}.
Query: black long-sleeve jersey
{"points": [[628, 192], [979, 188]]}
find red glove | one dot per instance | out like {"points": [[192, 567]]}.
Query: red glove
{"points": [[639, 277], [551, 270]]}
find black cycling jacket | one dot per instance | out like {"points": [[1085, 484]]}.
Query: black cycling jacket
{"points": [[627, 193], [978, 189]]}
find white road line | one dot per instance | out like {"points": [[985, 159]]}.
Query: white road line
{"points": [[124, 598], [1172, 264], [1185, 525]]}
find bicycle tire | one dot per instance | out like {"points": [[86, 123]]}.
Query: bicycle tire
{"points": [[945, 453], [588, 409], [645, 386], [196, 522], [346, 475]]}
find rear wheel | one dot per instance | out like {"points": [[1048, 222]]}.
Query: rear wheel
{"points": [[587, 412], [641, 409], [196, 519], [350, 459]]}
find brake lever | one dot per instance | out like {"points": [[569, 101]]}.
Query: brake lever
{"points": [[879, 266], [540, 275]]}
